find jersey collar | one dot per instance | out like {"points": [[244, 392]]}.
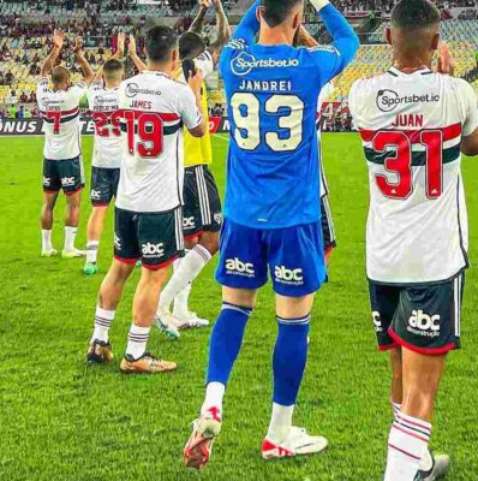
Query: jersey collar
{"points": [[394, 72]]}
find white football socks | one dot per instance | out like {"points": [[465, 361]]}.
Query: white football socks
{"points": [[92, 251], [137, 340], [70, 236], [407, 446], [281, 422], [214, 396], [103, 320], [190, 267], [426, 463], [46, 244]]}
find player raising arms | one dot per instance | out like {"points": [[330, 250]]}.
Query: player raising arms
{"points": [[272, 208], [413, 123], [103, 99], [62, 165], [148, 205], [202, 215]]}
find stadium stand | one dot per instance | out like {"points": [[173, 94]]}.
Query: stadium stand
{"points": [[26, 26]]}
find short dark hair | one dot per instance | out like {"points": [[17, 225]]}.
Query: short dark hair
{"points": [[112, 65], [415, 14], [59, 75], [276, 12], [191, 45], [159, 42]]}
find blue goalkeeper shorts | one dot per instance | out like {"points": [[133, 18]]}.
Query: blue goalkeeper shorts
{"points": [[293, 256]]}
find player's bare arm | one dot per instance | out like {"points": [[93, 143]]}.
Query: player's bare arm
{"points": [[223, 31], [133, 55], [195, 82], [198, 22], [50, 61], [118, 55], [86, 70], [304, 38], [469, 145]]}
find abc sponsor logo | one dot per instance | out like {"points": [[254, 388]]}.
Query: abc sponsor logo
{"points": [[388, 100], [423, 324], [95, 194], [117, 242], [152, 250], [240, 268], [189, 223], [244, 63], [67, 181], [288, 276]]}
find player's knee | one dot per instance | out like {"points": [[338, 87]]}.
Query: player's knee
{"points": [[154, 278]]}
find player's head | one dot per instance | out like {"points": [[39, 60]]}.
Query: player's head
{"points": [[60, 78], [113, 72], [191, 45], [284, 14], [414, 30], [161, 47]]}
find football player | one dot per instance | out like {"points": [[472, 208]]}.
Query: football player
{"points": [[103, 99], [414, 124], [202, 217], [62, 164], [154, 106], [272, 208]]}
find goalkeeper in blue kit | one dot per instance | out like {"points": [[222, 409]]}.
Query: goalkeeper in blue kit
{"points": [[272, 208]]}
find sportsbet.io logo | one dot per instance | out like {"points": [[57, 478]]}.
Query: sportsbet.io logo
{"points": [[131, 90], [388, 100], [244, 63]]}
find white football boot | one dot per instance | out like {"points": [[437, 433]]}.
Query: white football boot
{"points": [[167, 323], [49, 252], [206, 428], [70, 254], [190, 320], [296, 443]]}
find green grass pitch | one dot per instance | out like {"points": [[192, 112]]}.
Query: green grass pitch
{"points": [[63, 421]]}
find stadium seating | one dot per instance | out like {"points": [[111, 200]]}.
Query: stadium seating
{"points": [[22, 41]]}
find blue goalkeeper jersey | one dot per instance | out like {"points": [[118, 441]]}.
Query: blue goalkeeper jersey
{"points": [[273, 177]]}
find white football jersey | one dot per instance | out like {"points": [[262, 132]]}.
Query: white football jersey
{"points": [[154, 108], [104, 104], [411, 127], [61, 119], [326, 91]]}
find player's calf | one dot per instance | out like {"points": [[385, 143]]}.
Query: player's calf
{"points": [[94, 231]]}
